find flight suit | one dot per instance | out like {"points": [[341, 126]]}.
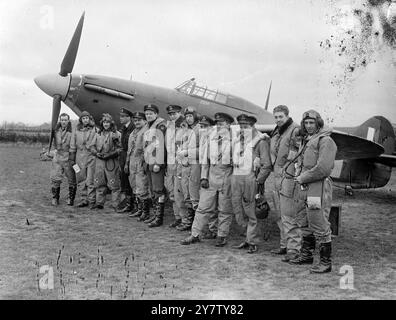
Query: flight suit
{"points": [[191, 170], [183, 171], [251, 159], [316, 161], [154, 154], [107, 172], [135, 157], [284, 146], [81, 140], [155, 158], [217, 168], [171, 181], [61, 165]]}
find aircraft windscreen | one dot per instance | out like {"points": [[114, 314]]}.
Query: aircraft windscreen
{"points": [[191, 88]]}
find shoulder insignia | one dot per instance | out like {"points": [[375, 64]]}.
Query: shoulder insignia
{"points": [[162, 127]]}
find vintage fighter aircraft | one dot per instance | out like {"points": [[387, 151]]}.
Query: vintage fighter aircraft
{"points": [[365, 156]]}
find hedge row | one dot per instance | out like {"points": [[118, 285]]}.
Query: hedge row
{"points": [[21, 136]]}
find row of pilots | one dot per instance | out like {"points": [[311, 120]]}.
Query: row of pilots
{"points": [[207, 171]]}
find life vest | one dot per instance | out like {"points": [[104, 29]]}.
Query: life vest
{"points": [[62, 140], [282, 149], [135, 143], [154, 143]]}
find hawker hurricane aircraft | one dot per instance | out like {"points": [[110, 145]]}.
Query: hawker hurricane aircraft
{"points": [[365, 154]]}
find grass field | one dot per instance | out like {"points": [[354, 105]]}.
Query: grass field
{"points": [[106, 255]]}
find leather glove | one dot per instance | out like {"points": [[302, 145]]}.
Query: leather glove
{"points": [[110, 155], [260, 179], [204, 183], [99, 156]]}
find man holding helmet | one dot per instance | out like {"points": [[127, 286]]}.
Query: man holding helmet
{"points": [[316, 161], [252, 166]]}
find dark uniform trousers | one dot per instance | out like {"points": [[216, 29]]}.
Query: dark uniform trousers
{"points": [[126, 189]]}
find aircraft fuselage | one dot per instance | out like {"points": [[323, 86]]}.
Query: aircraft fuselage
{"points": [[101, 94]]}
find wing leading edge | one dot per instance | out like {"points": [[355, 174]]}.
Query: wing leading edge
{"points": [[386, 159]]}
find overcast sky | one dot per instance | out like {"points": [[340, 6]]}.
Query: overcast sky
{"points": [[234, 46]]}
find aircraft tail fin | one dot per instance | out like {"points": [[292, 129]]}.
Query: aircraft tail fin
{"points": [[379, 130]]}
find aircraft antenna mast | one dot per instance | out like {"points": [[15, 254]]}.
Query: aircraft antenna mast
{"points": [[268, 96]]}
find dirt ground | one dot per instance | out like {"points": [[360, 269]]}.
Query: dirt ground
{"points": [[106, 255]]}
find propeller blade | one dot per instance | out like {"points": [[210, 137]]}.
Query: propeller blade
{"points": [[268, 96], [71, 53], [56, 107]]}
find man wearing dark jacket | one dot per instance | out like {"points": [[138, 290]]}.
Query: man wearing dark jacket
{"points": [[127, 203], [284, 147]]}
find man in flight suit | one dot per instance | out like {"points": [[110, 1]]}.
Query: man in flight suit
{"points": [[135, 166], [81, 139], [106, 146], [63, 161], [284, 147], [206, 126], [173, 139], [128, 202], [154, 158], [188, 169], [216, 174], [252, 165], [316, 161]]}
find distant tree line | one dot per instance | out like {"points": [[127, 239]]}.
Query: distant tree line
{"points": [[16, 132], [20, 132]]}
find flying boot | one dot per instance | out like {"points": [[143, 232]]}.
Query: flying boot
{"points": [[55, 195], [145, 210], [126, 205], [72, 195], [324, 264], [306, 254], [139, 208], [159, 217]]}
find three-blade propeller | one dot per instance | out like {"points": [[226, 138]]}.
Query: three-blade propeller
{"points": [[66, 68]]}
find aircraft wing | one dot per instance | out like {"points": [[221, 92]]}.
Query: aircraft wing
{"points": [[354, 147], [348, 146], [386, 159]]}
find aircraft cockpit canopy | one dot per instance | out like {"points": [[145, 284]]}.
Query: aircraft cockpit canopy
{"points": [[191, 88]]}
